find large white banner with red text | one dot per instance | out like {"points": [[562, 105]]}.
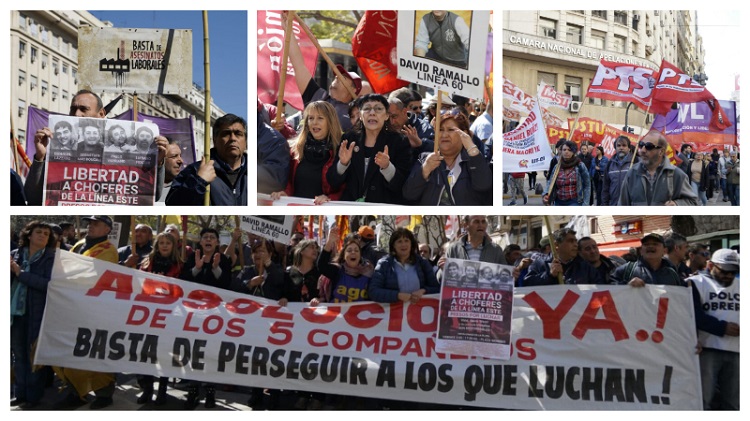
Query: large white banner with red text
{"points": [[574, 347]]}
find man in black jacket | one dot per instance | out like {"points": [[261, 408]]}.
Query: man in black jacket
{"points": [[568, 264]]}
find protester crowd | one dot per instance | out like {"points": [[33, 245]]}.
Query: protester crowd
{"points": [[225, 171], [635, 174], [353, 269]]}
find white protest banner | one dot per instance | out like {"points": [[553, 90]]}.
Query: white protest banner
{"points": [[476, 302], [265, 200], [444, 50], [520, 100], [549, 97], [100, 161], [138, 60], [587, 347], [526, 148], [273, 227]]}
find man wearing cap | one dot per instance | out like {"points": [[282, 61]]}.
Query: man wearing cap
{"points": [[370, 250], [589, 251], [654, 181], [568, 264], [143, 246], [651, 267], [81, 382], [716, 298], [337, 95]]}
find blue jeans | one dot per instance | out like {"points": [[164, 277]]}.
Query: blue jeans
{"points": [[720, 369], [700, 194], [29, 384], [734, 194], [724, 190]]}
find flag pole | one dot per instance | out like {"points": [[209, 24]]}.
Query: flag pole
{"points": [[552, 246], [13, 142], [132, 235], [207, 103], [328, 60], [437, 120], [284, 62]]}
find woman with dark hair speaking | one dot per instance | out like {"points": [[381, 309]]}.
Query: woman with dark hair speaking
{"points": [[457, 175], [403, 275], [373, 160], [572, 185]]}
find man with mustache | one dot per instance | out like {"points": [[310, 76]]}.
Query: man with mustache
{"points": [[651, 267], [716, 299], [655, 181], [225, 172], [615, 171]]}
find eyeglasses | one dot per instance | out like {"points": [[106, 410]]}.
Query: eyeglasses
{"points": [[416, 108], [705, 253], [376, 110], [229, 132], [648, 146]]}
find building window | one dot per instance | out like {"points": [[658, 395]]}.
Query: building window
{"points": [[594, 226], [65, 68], [45, 60], [618, 44], [21, 49], [74, 73], [635, 48], [56, 66], [22, 136], [45, 35], [33, 29], [21, 77], [22, 21], [601, 14], [548, 78], [73, 53], [44, 87], [621, 17], [64, 95], [573, 87], [55, 92], [64, 47], [574, 34], [547, 28], [33, 54], [21, 107], [33, 81], [598, 39]]}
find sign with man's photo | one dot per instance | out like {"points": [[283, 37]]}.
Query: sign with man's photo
{"points": [[100, 162]]}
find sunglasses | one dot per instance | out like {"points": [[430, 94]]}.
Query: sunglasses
{"points": [[726, 272], [416, 108], [648, 146]]}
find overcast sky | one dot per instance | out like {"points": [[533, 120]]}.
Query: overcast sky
{"points": [[722, 40]]}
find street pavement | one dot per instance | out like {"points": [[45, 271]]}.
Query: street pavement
{"points": [[536, 199]]}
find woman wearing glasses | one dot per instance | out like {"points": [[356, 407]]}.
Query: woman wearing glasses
{"points": [[572, 183], [313, 153], [373, 160], [456, 175]]}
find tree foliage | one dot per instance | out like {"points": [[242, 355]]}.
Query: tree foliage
{"points": [[338, 25]]}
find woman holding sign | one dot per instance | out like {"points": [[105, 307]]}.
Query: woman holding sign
{"points": [[572, 181], [373, 159], [313, 153], [456, 175]]}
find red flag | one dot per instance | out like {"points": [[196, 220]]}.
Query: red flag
{"points": [[622, 82], [270, 50], [674, 85], [374, 48]]}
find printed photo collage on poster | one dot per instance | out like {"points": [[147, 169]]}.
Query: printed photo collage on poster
{"points": [[373, 308]]}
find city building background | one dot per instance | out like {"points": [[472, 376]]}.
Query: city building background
{"points": [[564, 48], [44, 73]]}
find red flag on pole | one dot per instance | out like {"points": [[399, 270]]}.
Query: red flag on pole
{"points": [[270, 50], [374, 48], [623, 82], [674, 85]]}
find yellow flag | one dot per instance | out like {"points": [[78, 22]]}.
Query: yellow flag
{"points": [[414, 221]]}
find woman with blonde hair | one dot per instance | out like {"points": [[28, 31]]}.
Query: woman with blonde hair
{"points": [[313, 152]]}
